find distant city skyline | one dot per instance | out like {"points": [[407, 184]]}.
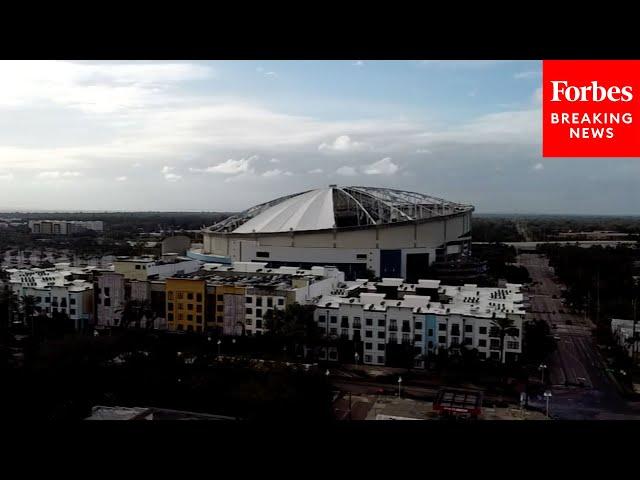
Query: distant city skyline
{"points": [[226, 135]]}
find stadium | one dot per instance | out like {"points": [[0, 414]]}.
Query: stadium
{"points": [[360, 230]]}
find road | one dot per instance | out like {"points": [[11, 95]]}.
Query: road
{"points": [[581, 387]]}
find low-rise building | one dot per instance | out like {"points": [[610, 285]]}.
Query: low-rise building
{"points": [[146, 268], [425, 316], [62, 289], [623, 332]]}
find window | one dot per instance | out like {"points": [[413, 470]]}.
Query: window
{"points": [[367, 358], [368, 333], [198, 318], [189, 296], [180, 327], [258, 323], [219, 308], [138, 267], [380, 359], [170, 306], [382, 323], [344, 322], [281, 301], [262, 254], [515, 332], [259, 302], [381, 347], [467, 341], [269, 302], [513, 345], [47, 300], [482, 330], [333, 331], [455, 329], [199, 308], [430, 344], [219, 319], [180, 306], [179, 317], [106, 291], [198, 297], [169, 295], [405, 326], [72, 301], [442, 339], [361, 256], [418, 326], [482, 343], [442, 327], [322, 319], [190, 306], [417, 338], [190, 318], [455, 341], [220, 298], [368, 322], [468, 328], [189, 328], [179, 295], [334, 319], [107, 302], [495, 344], [368, 346], [170, 317], [249, 311], [494, 332], [380, 334], [249, 300], [430, 332], [72, 311]]}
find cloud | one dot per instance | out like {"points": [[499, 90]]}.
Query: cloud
{"points": [[121, 179], [52, 175], [276, 173], [358, 63], [90, 87], [343, 143], [274, 160], [6, 176], [538, 166], [346, 171], [266, 73], [459, 64], [381, 167], [424, 150], [230, 167], [315, 171], [527, 74], [169, 176]]}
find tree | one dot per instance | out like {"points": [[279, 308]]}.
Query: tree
{"points": [[294, 326], [537, 342], [8, 308], [28, 310], [134, 311], [505, 327]]}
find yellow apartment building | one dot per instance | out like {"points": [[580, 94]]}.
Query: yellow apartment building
{"points": [[186, 304]]}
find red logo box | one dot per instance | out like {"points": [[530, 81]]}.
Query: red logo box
{"points": [[591, 108]]}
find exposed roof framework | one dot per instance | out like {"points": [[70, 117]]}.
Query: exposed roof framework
{"points": [[337, 207]]}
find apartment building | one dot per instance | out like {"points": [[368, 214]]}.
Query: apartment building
{"points": [[236, 298], [60, 289], [64, 227], [392, 312]]}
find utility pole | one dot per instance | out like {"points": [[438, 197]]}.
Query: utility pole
{"points": [[598, 297], [634, 303]]}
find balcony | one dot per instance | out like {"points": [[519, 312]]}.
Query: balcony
{"points": [[393, 328]]}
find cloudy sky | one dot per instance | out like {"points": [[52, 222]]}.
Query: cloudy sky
{"points": [[226, 135]]}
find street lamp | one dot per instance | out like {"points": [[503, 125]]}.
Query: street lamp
{"points": [[327, 373], [547, 396], [542, 368], [399, 386], [219, 346], [356, 356]]}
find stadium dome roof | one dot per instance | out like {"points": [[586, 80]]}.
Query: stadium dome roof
{"points": [[337, 207]]}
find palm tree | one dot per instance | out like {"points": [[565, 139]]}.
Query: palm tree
{"points": [[505, 327], [134, 311], [28, 309], [8, 307]]}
